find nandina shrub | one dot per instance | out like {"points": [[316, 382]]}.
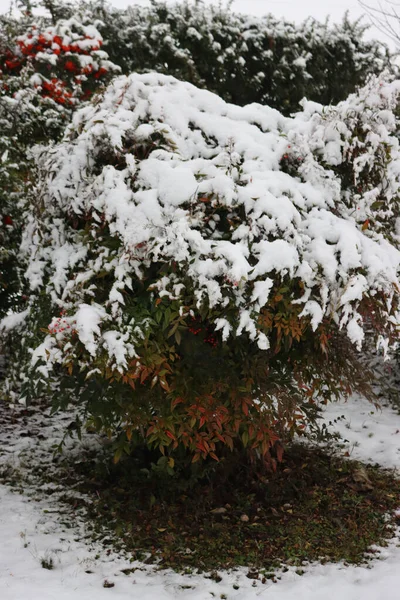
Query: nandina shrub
{"points": [[212, 292], [357, 140]]}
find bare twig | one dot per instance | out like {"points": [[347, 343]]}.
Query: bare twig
{"points": [[385, 16]]}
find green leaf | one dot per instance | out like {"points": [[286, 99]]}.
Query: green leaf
{"points": [[118, 454], [178, 337]]}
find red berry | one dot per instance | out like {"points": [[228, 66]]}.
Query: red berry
{"points": [[7, 220], [70, 66]]}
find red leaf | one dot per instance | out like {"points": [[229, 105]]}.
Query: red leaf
{"points": [[175, 402], [279, 451], [200, 446], [164, 385]]}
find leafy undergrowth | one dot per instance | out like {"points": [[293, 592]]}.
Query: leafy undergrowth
{"points": [[315, 507]]}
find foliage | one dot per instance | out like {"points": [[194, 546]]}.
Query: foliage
{"points": [[213, 274], [62, 62], [241, 58], [46, 71], [357, 141], [50, 64], [199, 274]]}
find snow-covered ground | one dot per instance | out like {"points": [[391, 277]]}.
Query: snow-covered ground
{"points": [[32, 530], [372, 434]]}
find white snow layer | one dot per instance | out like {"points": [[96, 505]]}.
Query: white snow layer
{"points": [[194, 150]]}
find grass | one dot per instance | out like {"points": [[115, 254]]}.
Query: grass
{"points": [[47, 563], [313, 508]]}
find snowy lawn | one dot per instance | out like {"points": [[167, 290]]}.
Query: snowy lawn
{"points": [[33, 533]]}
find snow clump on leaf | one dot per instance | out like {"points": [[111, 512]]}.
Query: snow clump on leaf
{"points": [[176, 176], [205, 272]]}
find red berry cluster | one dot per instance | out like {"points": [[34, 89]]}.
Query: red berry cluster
{"points": [[11, 61], [211, 339], [100, 72], [71, 66], [197, 326], [233, 282], [60, 325], [55, 89], [78, 47], [68, 51], [31, 44], [289, 161]]}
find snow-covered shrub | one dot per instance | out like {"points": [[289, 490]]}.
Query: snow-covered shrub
{"points": [[10, 231], [357, 141], [242, 58], [46, 72], [208, 273]]}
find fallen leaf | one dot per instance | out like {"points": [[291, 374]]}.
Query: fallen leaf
{"points": [[361, 478], [218, 511]]}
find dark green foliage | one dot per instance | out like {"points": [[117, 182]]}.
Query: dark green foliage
{"points": [[241, 58]]}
